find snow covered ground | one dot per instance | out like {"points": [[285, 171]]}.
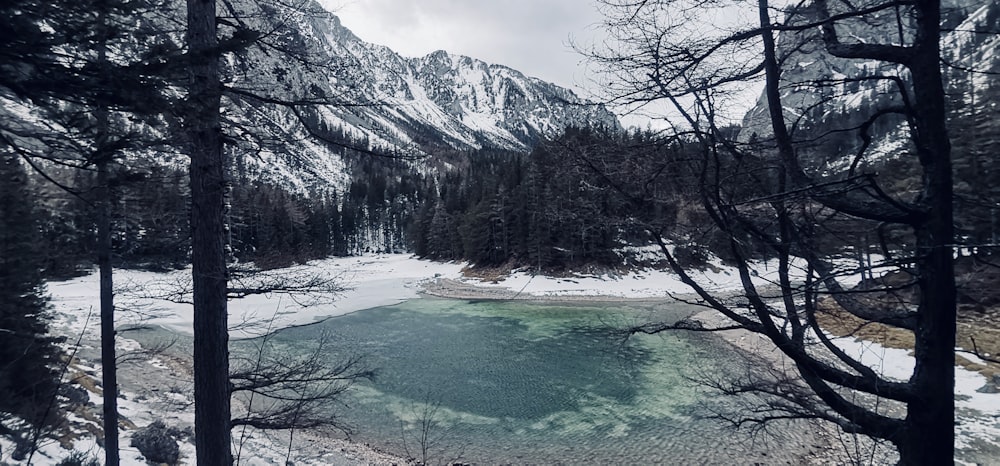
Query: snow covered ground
{"points": [[378, 281], [372, 281]]}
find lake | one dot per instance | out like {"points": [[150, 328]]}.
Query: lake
{"points": [[522, 382]]}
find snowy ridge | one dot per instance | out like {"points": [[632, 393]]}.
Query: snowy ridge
{"points": [[472, 103], [361, 97], [391, 104], [809, 106]]}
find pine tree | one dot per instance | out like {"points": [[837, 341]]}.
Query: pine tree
{"points": [[419, 228], [439, 236], [477, 239], [28, 380]]}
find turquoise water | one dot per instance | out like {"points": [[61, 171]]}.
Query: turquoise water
{"points": [[515, 382]]}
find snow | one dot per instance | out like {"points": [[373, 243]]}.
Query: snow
{"points": [[982, 424], [894, 363], [641, 284], [372, 281], [380, 280]]}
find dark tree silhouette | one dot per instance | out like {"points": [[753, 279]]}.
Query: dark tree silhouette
{"points": [[768, 189], [28, 377], [58, 65], [208, 255]]}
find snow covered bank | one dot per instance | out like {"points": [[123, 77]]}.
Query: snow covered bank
{"points": [[160, 388], [716, 277], [152, 298], [149, 298]]}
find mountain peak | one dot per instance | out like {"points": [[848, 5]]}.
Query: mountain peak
{"points": [[469, 103], [422, 105]]}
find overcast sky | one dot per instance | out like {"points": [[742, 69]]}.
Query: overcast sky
{"points": [[531, 36]]}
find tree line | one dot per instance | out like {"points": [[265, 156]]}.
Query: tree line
{"points": [[545, 209]]}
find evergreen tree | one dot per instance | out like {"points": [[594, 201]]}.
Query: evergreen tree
{"points": [[477, 236], [439, 236], [319, 226], [419, 227], [68, 230], [28, 380], [153, 217]]}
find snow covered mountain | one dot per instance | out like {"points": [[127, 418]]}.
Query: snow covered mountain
{"points": [[825, 96], [391, 104]]}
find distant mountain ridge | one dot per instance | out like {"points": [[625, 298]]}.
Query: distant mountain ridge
{"points": [[969, 42], [472, 103], [394, 104]]}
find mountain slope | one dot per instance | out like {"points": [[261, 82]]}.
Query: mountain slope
{"points": [[825, 96], [391, 104]]}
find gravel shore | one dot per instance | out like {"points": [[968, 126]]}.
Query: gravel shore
{"points": [[454, 289]]}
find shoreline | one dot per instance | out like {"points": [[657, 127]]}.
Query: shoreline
{"points": [[147, 383], [315, 448], [454, 289], [378, 281], [823, 448]]}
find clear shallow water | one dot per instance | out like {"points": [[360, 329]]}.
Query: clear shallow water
{"points": [[520, 382]]}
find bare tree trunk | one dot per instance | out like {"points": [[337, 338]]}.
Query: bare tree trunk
{"points": [[928, 433], [109, 365], [211, 337]]}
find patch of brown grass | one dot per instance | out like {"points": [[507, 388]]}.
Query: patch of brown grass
{"points": [[983, 328], [86, 381], [492, 274], [986, 335]]}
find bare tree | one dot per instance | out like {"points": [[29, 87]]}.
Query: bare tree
{"points": [[278, 390], [430, 438], [766, 190]]}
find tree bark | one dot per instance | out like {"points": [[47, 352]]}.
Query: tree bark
{"points": [[109, 371], [930, 420], [211, 337], [109, 364]]}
